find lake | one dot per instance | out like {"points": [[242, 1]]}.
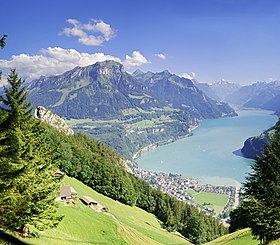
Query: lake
{"points": [[208, 154]]}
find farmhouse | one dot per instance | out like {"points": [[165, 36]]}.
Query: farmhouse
{"points": [[68, 194]]}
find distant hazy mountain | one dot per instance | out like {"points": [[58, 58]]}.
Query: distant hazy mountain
{"points": [[218, 90], [258, 95]]}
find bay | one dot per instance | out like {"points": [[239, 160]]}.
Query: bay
{"points": [[208, 154]]}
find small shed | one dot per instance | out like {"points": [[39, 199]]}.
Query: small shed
{"points": [[88, 201], [93, 204], [68, 192]]}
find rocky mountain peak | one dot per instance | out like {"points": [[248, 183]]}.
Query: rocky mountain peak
{"points": [[138, 72], [109, 67]]}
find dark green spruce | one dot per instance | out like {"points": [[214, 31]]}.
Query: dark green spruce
{"points": [[261, 205], [27, 183], [3, 41]]}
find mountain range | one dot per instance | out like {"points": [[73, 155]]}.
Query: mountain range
{"points": [[126, 111], [263, 95], [105, 90], [218, 90]]}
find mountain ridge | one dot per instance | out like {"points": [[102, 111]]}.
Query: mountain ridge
{"points": [[123, 111]]}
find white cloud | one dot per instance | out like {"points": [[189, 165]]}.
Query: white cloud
{"points": [[161, 56], [52, 61], [188, 75], [94, 33], [136, 59], [56, 60]]}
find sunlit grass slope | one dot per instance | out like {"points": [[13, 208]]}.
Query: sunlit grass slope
{"points": [[122, 225], [241, 237]]}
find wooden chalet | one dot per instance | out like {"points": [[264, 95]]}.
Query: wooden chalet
{"points": [[68, 193]]}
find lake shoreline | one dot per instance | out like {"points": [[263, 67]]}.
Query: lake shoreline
{"points": [[208, 154], [153, 146]]}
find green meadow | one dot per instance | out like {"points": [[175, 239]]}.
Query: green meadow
{"points": [[121, 225], [211, 200]]}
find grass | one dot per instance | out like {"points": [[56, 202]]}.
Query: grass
{"points": [[211, 200], [73, 122], [241, 237], [153, 122], [89, 122], [136, 97], [122, 225], [130, 111]]}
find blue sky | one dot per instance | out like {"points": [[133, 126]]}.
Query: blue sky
{"points": [[233, 40]]}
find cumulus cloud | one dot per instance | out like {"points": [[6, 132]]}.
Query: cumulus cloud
{"points": [[136, 59], [188, 75], [56, 60], [52, 61], [161, 56], [94, 33]]}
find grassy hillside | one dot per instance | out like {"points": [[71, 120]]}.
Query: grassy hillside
{"points": [[122, 225], [241, 237]]}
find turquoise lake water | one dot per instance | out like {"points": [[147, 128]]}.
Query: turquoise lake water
{"points": [[208, 154]]}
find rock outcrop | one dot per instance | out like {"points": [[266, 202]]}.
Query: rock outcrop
{"points": [[53, 120]]}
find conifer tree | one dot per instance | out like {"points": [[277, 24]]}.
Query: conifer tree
{"points": [[261, 205], [3, 41], [27, 182]]}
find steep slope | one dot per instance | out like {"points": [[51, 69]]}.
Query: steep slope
{"points": [[241, 237], [206, 88], [254, 146], [121, 225], [102, 90], [182, 94], [102, 169]]}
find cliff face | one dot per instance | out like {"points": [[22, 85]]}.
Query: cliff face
{"points": [[52, 119]]}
